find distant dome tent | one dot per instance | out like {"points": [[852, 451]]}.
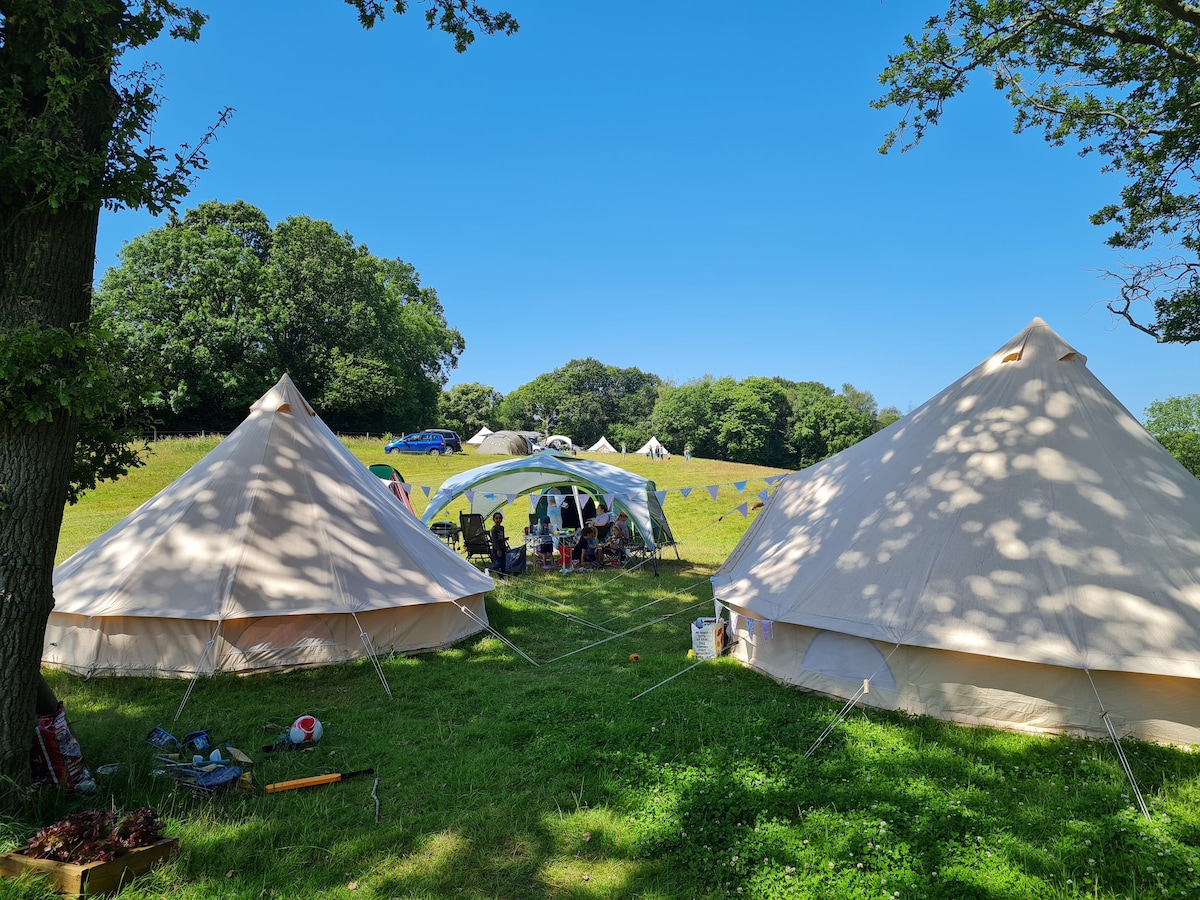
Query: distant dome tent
{"points": [[503, 443], [602, 446], [560, 442], [492, 485], [1016, 552], [277, 550]]}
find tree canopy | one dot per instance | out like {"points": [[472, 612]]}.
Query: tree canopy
{"points": [[1115, 80], [584, 399], [1175, 423], [218, 304], [76, 135]]}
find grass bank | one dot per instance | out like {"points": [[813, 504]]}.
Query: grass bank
{"points": [[501, 778]]}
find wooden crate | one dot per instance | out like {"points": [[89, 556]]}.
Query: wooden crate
{"points": [[90, 879]]}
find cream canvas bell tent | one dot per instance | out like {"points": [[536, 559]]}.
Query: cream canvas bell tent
{"points": [[653, 447], [277, 550], [602, 446], [1017, 552]]}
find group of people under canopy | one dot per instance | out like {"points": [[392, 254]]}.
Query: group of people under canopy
{"points": [[604, 538]]}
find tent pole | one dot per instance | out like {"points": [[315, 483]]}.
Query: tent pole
{"points": [[196, 675], [1121, 757], [362, 636]]}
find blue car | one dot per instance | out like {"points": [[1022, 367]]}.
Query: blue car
{"points": [[420, 442]]}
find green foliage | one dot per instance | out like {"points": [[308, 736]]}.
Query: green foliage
{"points": [[583, 399], [1175, 423], [47, 373], [466, 408], [217, 305], [764, 421], [1117, 80]]}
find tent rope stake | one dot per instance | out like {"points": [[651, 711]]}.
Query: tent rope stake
{"points": [[631, 630], [196, 675], [373, 656], [1121, 757], [845, 711], [483, 623], [671, 678]]}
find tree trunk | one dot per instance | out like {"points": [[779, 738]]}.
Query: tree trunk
{"points": [[46, 264]]}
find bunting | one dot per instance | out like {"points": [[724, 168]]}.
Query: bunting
{"points": [[610, 499], [767, 626], [744, 509]]}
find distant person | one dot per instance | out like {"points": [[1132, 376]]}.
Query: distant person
{"points": [[499, 544], [545, 547], [687, 452], [620, 530]]}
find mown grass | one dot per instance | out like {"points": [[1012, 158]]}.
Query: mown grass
{"points": [[499, 778]]}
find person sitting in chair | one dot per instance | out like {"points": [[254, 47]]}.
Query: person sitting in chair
{"points": [[499, 544], [587, 549]]}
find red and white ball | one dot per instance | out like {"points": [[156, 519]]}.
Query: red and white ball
{"points": [[306, 729]]}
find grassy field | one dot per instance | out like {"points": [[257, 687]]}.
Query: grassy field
{"points": [[502, 778]]}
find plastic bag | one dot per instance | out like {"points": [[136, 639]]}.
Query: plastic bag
{"points": [[57, 757]]}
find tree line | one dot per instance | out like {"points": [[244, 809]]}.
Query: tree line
{"points": [[205, 313], [762, 421]]}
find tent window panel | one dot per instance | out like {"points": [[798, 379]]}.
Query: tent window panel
{"points": [[849, 657]]}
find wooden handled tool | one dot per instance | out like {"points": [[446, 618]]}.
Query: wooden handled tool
{"points": [[314, 780]]}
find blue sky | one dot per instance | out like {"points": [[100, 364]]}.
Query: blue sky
{"points": [[689, 188]]}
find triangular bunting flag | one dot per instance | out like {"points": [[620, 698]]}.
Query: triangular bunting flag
{"points": [[407, 487], [712, 490], [426, 489], [766, 630], [750, 623], [763, 495], [741, 486], [470, 495], [661, 495], [734, 621], [744, 509], [608, 500], [683, 492]]}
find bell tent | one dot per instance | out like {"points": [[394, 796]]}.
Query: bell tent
{"points": [[277, 550], [602, 446], [491, 487], [477, 438], [1016, 552], [653, 447]]}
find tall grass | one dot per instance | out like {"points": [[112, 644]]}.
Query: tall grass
{"points": [[501, 778]]}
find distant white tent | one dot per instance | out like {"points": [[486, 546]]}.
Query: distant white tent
{"points": [[602, 446], [653, 447], [1015, 552], [277, 550], [559, 442], [477, 439]]}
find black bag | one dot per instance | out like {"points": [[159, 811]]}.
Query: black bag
{"points": [[514, 561]]}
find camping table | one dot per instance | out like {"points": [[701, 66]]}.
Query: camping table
{"points": [[448, 532]]}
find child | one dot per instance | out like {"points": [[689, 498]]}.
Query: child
{"points": [[499, 544]]}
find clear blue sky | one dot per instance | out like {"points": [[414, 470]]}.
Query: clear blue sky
{"points": [[689, 188]]}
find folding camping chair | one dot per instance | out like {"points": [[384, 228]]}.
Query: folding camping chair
{"points": [[475, 537]]}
